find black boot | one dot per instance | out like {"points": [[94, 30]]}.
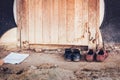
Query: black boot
{"points": [[76, 55], [68, 55]]}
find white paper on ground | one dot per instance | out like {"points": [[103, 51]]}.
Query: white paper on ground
{"points": [[15, 58]]}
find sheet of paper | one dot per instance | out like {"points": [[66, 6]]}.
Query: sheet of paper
{"points": [[15, 58]]}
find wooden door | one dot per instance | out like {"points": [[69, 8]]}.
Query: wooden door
{"points": [[66, 22]]}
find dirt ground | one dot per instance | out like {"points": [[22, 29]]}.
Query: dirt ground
{"points": [[50, 65]]}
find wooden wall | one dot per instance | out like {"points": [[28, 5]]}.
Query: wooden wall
{"points": [[64, 22]]}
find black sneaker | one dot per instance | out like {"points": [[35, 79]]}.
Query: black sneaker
{"points": [[76, 55], [68, 54]]}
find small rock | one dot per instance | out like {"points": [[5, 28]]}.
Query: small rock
{"points": [[39, 50], [33, 67], [59, 50]]}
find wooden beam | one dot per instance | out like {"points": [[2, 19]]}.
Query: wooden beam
{"points": [[92, 23]]}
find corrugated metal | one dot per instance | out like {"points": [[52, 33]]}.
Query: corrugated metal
{"points": [[58, 21]]}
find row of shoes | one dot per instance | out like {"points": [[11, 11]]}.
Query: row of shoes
{"points": [[75, 55]]}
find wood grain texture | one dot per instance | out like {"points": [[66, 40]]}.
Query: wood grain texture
{"points": [[46, 21], [18, 22], [38, 22], [67, 22], [85, 22], [25, 20], [70, 20], [54, 21], [92, 8], [98, 34], [62, 22], [22, 21], [31, 21], [78, 23]]}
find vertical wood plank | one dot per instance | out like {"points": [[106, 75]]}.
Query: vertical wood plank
{"points": [[85, 22], [98, 13], [92, 23], [46, 21], [62, 21], [23, 22], [31, 22], [18, 21], [70, 20], [54, 21], [78, 29], [38, 21], [98, 34]]}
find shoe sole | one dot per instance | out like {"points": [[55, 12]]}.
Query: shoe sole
{"points": [[76, 60]]}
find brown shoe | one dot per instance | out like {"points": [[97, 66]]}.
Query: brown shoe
{"points": [[101, 55], [90, 55]]}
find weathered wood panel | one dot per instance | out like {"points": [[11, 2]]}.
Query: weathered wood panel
{"points": [[99, 41], [92, 27], [22, 10], [19, 24], [78, 23], [31, 18], [62, 37], [85, 22], [70, 12], [46, 10], [68, 22], [38, 21], [54, 21]]}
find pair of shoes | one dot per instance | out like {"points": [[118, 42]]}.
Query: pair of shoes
{"points": [[72, 55], [100, 56]]}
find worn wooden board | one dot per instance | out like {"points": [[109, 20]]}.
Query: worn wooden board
{"points": [[54, 21], [66, 22], [46, 21], [70, 4], [78, 23], [22, 21], [38, 21], [62, 22], [85, 22], [31, 21], [92, 8]]}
